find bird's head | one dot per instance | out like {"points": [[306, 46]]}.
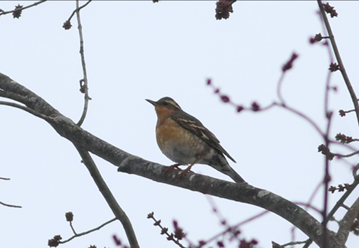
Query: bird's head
{"points": [[165, 106]]}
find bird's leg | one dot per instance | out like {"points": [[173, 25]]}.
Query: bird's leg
{"points": [[190, 166]]}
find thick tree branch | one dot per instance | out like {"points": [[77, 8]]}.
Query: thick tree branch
{"points": [[135, 165], [242, 192]]}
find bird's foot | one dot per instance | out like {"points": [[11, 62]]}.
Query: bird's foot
{"points": [[173, 167], [184, 172]]}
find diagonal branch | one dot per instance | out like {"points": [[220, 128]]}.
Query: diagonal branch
{"points": [[243, 192], [76, 235], [347, 222], [342, 199], [339, 59], [110, 199]]}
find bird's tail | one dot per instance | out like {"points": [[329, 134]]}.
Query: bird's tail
{"points": [[225, 168], [234, 175]]}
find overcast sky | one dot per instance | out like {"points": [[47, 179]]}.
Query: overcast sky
{"points": [[140, 50]]}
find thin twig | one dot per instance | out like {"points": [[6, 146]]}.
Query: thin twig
{"points": [[223, 221], [305, 117], [327, 177], [237, 225], [9, 205], [295, 243], [107, 194], [5, 204], [20, 9], [87, 232], [267, 107], [78, 9], [344, 145], [279, 88], [339, 59], [33, 112], [84, 81], [326, 181], [341, 201], [73, 229], [164, 230], [331, 59], [345, 156]]}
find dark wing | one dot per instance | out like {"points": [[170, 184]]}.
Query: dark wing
{"points": [[193, 125]]}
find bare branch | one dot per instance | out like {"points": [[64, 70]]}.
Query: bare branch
{"points": [[241, 192], [274, 244], [347, 222], [305, 117], [341, 201], [87, 232], [345, 156], [15, 105], [78, 9], [2, 12], [5, 204], [164, 230], [339, 59], [10, 205], [110, 199], [84, 81]]}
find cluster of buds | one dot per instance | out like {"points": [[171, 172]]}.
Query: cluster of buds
{"points": [[226, 99], [17, 11], [344, 139], [224, 7], [330, 10], [118, 242], [325, 150], [340, 188], [289, 63], [55, 241]]}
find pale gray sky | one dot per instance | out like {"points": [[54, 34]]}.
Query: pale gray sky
{"points": [[140, 50]]}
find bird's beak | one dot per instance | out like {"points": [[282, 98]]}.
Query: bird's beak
{"points": [[152, 102]]}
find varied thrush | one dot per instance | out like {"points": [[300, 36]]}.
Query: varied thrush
{"points": [[184, 139]]}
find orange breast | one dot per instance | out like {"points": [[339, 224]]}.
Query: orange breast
{"points": [[168, 132], [178, 144]]}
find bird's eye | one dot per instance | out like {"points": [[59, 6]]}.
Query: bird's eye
{"points": [[165, 103]]}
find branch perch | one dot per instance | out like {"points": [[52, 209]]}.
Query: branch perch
{"points": [[243, 192]]}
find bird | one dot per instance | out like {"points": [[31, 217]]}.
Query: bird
{"points": [[186, 141]]}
